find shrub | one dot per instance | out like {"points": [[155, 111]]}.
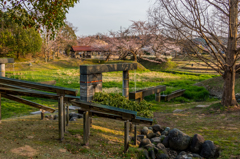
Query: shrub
{"points": [[116, 100]]}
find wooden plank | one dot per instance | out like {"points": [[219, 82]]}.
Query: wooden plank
{"points": [[126, 114], [93, 69], [27, 102], [12, 86], [138, 120], [173, 95], [35, 93], [38, 86], [140, 94]]}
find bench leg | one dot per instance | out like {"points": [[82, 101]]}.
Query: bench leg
{"points": [[126, 136], [135, 134], [158, 97], [42, 115], [60, 118], [64, 117], [86, 128], [67, 115], [91, 122]]}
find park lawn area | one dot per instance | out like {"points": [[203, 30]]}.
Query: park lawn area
{"points": [[106, 139]]}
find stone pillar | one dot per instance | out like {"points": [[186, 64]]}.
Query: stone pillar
{"points": [[125, 91], [89, 84], [2, 70]]}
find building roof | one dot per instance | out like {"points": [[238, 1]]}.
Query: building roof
{"points": [[81, 48]]}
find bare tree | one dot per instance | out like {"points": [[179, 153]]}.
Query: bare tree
{"points": [[211, 20]]}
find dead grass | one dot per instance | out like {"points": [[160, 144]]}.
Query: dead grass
{"points": [[222, 127], [29, 136]]}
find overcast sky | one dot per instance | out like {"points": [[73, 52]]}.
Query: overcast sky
{"points": [[100, 16]]}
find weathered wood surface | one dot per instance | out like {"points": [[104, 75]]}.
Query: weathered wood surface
{"points": [[146, 92], [87, 106], [137, 120], [27, 102], [34, 93], [38, 86], [13, 86], [173, 95], [92, 69], [6, 60]]}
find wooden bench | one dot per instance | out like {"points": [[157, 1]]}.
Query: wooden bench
{"points": [[140, 94], [174, 94], [94, 109], [10, 87]]}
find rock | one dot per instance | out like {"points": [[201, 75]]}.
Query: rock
{"points": [[162, 138], [166, 131], [209, 150], [160, 146], [46, 116], [140, 137], [196, 144], [196, 155], [150, 128], [144, 142], [143, 153], [151, 135], [166, 141], [149, 147], [144, 131], [72, 114], [156, 140], [177, 110], [162, 156], [55, 117], [73, 119], [171, 153], [178, 140], [182, 153], [156, 128], [151, 154], [158, 134], [50, 117]]}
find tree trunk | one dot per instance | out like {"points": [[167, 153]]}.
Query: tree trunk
{"points": [[134, 56], [18, 55], [108, 57], [228, 98]]}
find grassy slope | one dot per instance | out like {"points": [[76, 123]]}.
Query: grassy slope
{"points": [[66, 73]]}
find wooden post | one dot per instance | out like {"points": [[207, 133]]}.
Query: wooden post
{"points": [[60, 117], [67, 115], [0, 109], [125, 91], [42, 113], [158, 97], [2, 69], [126, 135], [64, 117], [86, 128], [135, 134]]}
